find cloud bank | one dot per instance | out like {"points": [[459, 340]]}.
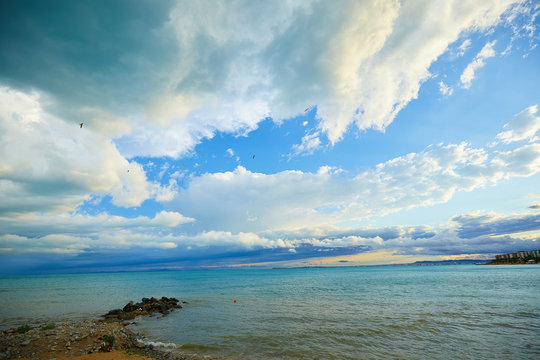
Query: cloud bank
{"points": [[128, 249], [242, 200], [245, 217], [188, 70], [48, 164]]}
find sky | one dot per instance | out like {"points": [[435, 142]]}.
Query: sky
{"points": [[143, 135]]}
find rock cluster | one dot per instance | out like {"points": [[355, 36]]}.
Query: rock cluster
{"points": [[60, 340], [145, 307]]}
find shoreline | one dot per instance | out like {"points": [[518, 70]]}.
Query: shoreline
{"points": [[92, 339], [81, 340]]}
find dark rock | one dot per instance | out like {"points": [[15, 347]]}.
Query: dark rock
{"points": [[147, 306], [130, 307], [114, 312], [126, 316]]}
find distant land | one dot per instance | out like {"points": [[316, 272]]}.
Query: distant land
{"points": [[440, 262], [517, 258], [453, 262]]}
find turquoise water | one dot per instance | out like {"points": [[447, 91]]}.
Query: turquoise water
{"points": [[405, 312]]}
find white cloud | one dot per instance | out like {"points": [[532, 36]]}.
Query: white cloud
{"points": [[522, 21], [242, 207], [69, 233], [465, 45], [473, 233], [230, 152], [32, 224], [217, 66], [55, 244], [242, 200], [445, 89], [59, 165], [310, 143], [523, 126], [104, 123], [239, 62], [523, 161], [478, 62], [74, 245]]}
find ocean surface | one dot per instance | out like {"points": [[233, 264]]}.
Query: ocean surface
{"points": [[386, 312]]}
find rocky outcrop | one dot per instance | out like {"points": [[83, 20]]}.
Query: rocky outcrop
{"points": [[145, 307], [60, 340]]}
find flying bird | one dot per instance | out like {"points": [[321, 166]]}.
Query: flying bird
{"points": [[81, 125], [253, 157]]}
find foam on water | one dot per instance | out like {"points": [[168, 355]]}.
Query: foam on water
{"points": [[159, 344]]}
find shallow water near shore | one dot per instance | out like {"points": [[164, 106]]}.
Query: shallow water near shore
{"points": [[407, 312]]}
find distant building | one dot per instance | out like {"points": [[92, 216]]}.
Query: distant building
{"points": [[519, 254]]}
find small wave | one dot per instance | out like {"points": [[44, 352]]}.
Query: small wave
{"points": [[510, 326], [160, 344], [528, 314]]}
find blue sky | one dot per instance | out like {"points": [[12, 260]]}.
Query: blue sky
{"points": [[266, 133]]}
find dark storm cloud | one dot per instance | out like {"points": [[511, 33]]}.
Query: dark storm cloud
{"points": [[472, 225], [83, 52]]}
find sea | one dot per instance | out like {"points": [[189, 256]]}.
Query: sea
{"points": [[378, 312]]}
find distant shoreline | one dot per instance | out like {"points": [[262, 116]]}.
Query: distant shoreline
{"points": [[517, 261], [421, 263]]}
